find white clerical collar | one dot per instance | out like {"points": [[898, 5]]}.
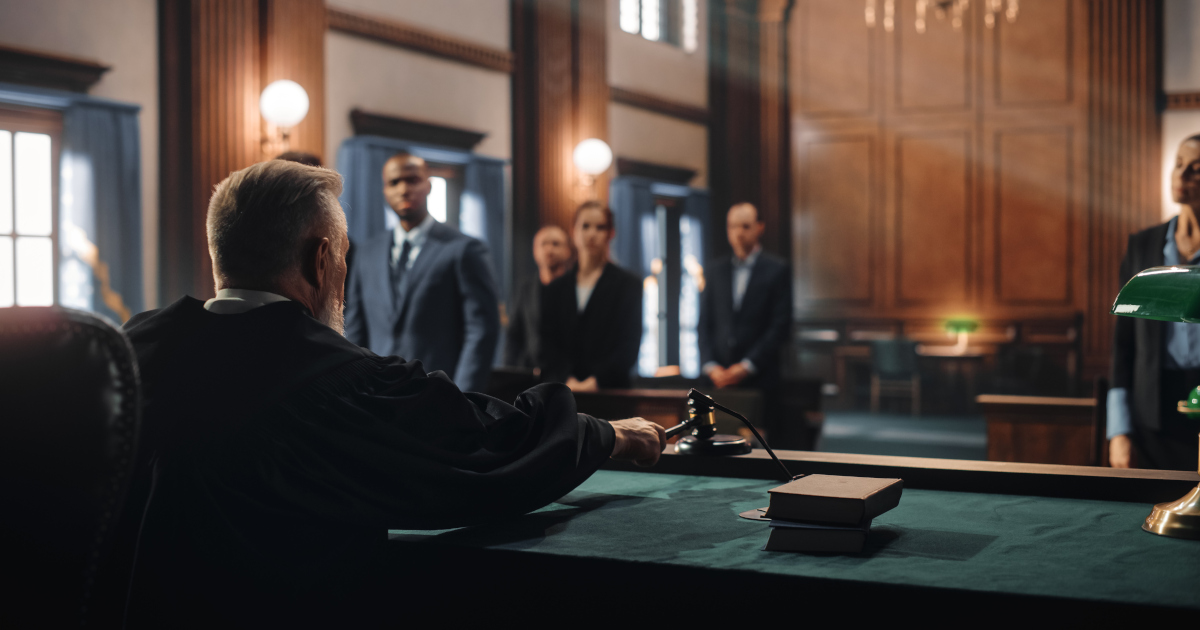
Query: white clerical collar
{"points": [[235, 301], [416, 236]]}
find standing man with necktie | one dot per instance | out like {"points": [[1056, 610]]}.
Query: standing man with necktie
{"points": [[745, 311], [424, 291]]}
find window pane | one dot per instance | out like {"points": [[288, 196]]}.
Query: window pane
{"points": [[630, 20], [35, 271], [437, 198], [6, 193], [691, 242], [33, 184], [6, 271], [691, 25], [651, 20]]}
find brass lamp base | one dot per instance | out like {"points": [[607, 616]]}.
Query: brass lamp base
{"points": [[1178, 519]]}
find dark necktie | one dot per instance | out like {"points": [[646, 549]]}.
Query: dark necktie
{"points": [[398, 268]]}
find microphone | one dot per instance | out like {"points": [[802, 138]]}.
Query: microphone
{"points": [[702, 423]]}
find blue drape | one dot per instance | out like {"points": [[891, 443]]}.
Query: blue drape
{"points": [[100, 200], [482, 208], [632, 201]]}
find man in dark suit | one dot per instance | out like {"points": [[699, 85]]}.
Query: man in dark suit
{"points": [[424, 291], [522, 342], [746, 310], [1155, 364]]}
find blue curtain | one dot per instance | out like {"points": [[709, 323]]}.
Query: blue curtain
{"points": [[482, 209], [630, 198], [100, 200]]}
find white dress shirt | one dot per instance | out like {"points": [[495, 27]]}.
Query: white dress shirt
{"points": [[416, 238], [235, 301]]}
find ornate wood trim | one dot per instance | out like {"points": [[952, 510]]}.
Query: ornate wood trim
{"points": [[641, 100], [368, 124], [418, 39], [34, 67], [1183, 100], [657, 172], [1123, 152]]}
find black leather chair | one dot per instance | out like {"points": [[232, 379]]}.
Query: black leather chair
{"points": [[69, 416]]}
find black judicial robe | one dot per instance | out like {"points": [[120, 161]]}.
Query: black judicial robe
{"points": [[275, 454]]}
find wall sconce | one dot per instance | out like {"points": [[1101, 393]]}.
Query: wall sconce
{"points": [[284, 104], [592, 157]]}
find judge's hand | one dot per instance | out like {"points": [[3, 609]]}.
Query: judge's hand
{"points": [[586, 385], [1120, 452], [639, 441]]}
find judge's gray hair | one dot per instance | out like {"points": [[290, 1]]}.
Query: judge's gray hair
{"points": [[261, 219]]}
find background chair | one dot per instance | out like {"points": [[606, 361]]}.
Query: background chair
{"points": [[894, 371], [70, 418]]}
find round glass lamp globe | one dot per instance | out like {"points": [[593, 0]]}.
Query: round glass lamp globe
{"points": [[283, 103], [592, 156]]}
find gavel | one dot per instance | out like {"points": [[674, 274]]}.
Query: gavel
{"points": [[702, 422]]}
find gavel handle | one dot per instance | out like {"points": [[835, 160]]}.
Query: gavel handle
{"points": [[679, 429]]}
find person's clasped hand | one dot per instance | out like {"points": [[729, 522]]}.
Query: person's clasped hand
{"points": [[639, 441]]}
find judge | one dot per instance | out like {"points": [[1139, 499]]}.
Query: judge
{"points": [[592, 315], [276, 453]]}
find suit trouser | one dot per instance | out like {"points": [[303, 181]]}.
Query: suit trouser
{"points": [[1174, 445]]}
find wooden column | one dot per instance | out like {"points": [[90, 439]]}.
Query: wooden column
{"points": [[560, 97], [1124, 156], [214, 60], [774, 146], [734, 147]]}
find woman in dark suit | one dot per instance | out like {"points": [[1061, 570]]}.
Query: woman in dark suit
{"points": [[592, 315], [1155, 363]]}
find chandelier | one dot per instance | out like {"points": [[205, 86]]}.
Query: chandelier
{"points": [[941, 9]]}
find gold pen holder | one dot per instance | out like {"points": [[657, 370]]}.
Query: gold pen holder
{"points": [[1177, 519]]}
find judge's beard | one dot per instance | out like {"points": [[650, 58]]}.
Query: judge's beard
{"points": [[331, 311]]}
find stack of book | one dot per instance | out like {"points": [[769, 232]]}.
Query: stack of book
{"points": [[827, 513]]}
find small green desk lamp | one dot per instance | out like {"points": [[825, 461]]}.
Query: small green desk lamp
{"points": [[1168, 294]]}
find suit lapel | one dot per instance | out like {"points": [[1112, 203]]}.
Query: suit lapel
{"points": [[429, 250], [752, 285], [379, 293]]}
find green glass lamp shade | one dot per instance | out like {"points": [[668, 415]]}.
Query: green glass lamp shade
{"points": [[962, 325], [1191, 406], [1169, 294]]}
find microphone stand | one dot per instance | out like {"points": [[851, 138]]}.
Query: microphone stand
{"points": [[701, 422]]}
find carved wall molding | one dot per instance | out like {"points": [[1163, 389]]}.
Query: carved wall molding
{"points": [[371, 124], [414, 38], [1183, 100], [659, 172], [649, 102], [34, 67]]}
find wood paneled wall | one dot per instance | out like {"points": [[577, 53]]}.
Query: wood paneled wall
{"points": [[214, 60], [956, 171], [560, 97]]}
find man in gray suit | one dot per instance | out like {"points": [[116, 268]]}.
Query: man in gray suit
{"points": [[424, 291]]}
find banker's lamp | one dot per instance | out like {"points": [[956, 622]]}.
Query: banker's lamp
{"points": [[1168, 294], [962, 328], [284, 104], [592, 157]]}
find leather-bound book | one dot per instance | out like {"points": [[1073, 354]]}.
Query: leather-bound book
{"points": [[811, 538], [834, 500]]}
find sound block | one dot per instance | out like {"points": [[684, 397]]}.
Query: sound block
{"points": [[717, 446]]}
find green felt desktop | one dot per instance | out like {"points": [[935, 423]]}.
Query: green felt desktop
{"points": [[1073, 549]]}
